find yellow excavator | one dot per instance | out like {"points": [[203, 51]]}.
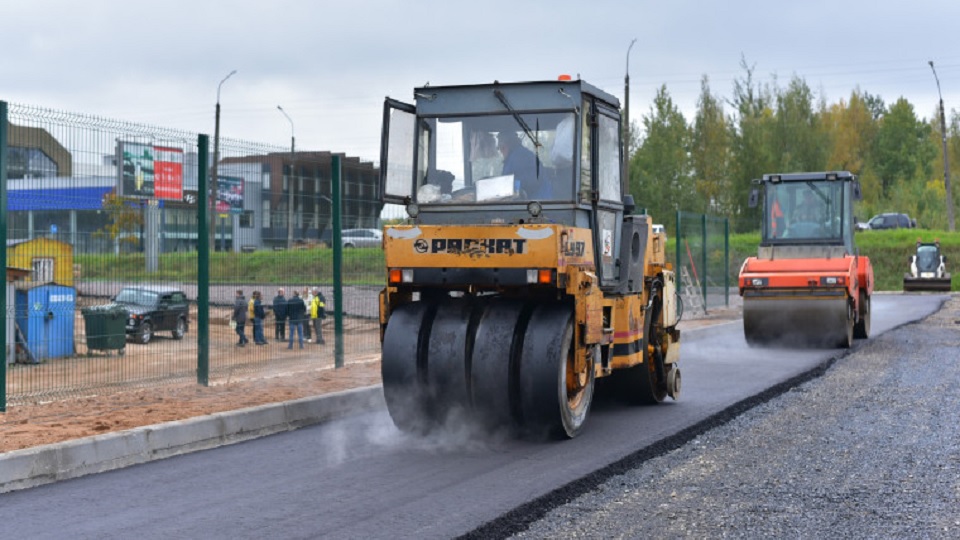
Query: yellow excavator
{"points": [[521, 274]]}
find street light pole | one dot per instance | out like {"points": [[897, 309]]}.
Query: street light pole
{"points": [[626, 123], [214, 189], [293, 156], [946, 159]]}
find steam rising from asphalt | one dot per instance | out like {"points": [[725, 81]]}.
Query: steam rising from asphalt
{"points": [[459, 432]]}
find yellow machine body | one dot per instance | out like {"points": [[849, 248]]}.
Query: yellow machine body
{"points": [[512, 287]]}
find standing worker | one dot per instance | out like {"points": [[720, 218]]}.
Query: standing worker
{"points": [[240, 317], [307, 298], [296, 311], [280, 313], [318, 313], [259, 314]]}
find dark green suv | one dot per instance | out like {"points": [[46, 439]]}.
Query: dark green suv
{"points": [[154, 309]]}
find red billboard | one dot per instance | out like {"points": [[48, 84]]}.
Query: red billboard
{"points": [[168, 173]]}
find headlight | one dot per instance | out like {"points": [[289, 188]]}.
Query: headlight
{"points": [[534, 208], [831, 281]]}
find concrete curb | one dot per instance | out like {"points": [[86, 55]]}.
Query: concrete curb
{"points": [[32, 467]]}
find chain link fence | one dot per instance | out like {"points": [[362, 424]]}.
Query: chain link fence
{"points": [[118, 276]]}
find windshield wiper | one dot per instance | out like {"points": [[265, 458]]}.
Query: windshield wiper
{"points": [[532, 135], [523, 124]]}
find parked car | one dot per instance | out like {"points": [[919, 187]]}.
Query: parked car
{"points": [[154, 309], [891, 220], [350, 238]]}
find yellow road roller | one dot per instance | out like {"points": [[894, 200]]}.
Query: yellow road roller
{"points": [[521, 273]]}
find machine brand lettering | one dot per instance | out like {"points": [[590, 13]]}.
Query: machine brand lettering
{"points": [[477, 246], [574, 249]]}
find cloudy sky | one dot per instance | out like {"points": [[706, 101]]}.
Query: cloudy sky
{"points": [[330, 64]]}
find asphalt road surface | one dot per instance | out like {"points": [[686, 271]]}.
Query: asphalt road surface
{"points": [[360, 478]]}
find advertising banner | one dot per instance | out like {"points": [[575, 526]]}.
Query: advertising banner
{"points": [[168, 173], [136, 169], [229, 195], [150, 172]]}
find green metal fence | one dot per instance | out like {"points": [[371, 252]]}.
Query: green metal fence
{"points": [[703, 261], [93, 206]]}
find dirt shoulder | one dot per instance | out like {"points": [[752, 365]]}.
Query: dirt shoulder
{"points": [[26, 426]]}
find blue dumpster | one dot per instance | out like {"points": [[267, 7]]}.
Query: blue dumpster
{"points": [[45, 316]]}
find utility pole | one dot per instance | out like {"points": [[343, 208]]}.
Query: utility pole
{"points": [[293, 157], [946, 158], [626, 123], [216, 160]]}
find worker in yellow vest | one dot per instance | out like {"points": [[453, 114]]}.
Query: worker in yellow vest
{"points": [[318, 313]]}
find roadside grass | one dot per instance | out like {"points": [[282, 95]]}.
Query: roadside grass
{"points": [[361, 266], [888, 251]]}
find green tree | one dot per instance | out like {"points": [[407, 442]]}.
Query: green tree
{"points": [[903, 151], [710, 153], [660, 169], [751, 131], [798, 142]]}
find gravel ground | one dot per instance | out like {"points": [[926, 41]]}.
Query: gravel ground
{"points": [[871, 449]]}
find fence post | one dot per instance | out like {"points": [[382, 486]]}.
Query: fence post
{"points": [[203, 263], [337, 262], [726, 261], [703, 259], [3, 254], [676, 239]]}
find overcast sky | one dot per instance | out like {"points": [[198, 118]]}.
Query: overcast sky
{"points": [[330, 64]]}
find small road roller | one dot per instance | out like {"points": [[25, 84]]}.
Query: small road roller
{"points": [[807, 286], [928, 269], [521, 273]]}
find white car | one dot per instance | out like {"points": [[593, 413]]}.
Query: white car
{"points": [[361, 238]]}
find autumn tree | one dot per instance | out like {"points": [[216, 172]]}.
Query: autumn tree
{"points": [[124, 220]]}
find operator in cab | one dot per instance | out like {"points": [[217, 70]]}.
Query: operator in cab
{"points": [[522, 164]]}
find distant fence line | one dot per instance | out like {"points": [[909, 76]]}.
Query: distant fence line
{"points": [[94, 204]]}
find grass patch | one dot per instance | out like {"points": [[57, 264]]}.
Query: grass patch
{"points": [[361, 266], [888, 252]]}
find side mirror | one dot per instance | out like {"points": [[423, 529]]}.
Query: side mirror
{"points": [[754, 198], [857, 194]]}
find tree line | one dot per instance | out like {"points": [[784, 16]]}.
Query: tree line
{"points": [[706, 164]]}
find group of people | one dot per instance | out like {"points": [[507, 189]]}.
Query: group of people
{"points": [[302, 312]]}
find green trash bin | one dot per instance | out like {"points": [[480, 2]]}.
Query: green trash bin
{"points": [[106, 327]]}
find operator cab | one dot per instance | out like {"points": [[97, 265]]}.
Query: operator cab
{"points": [[545, 151], [808, 209], [511, 154]]}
